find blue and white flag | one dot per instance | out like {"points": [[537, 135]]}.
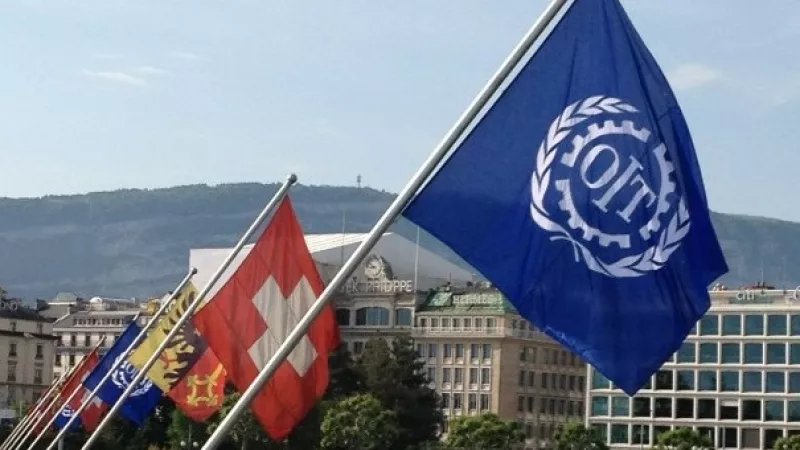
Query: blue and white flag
{"points": [[143, 399], [579, 195], [64, 415]]}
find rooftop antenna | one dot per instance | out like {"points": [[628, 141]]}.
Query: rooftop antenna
{"points": [[358, 180]]}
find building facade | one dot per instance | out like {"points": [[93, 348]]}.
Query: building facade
{"points": [[736, 379], [27, 348], [482, 356]]}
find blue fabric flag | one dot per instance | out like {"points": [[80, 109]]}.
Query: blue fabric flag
{"points": [[143, 399], [579, 195], [64, 416]]}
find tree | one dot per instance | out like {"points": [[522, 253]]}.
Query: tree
{"points": [[246, 433], [575, 436], [184, 430], [683, 438], [486, 431], [788, 443], [359, 422], [395, 377]]}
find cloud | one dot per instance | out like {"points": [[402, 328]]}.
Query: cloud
{"points": [[691, 76], [187, 56], [150, 71], [117, 77]]}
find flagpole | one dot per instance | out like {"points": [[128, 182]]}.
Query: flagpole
{"points": [[55, 398], [36, 411], [394, 210], [273, 203], [27, 417], [127, 353]]}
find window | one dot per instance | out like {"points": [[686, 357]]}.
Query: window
{"points": [[794, 411], [751, 409], [57, 361], [373, 316], [358, 347], [472, 402], [458, 375], [446, 375], [39, 351], [445, 400], [754, 325], [664, 380], [474, 352], [753, 353], [530, 404], [708, 352], [599, 406], [776, 353], [794, 324], [685, 380], [640, 434], [343, 316], [473, 376], [663, 407], [686, 354], [37, 375], [484, 402], [71, 360], [773, 411], [794, 382], [432, 350], [684, 408], [562, 382], [448, 350], [731, 325], [709, 325], [729, 410], [460, 351], [775, 382], [521, 378], [620, 406], [706, 408], [73, 340], [544, 381], [487, 351], [641, 407], [707, 380], [486, 377], [599, 381], [457, 401], [531, 379], [731, 353], [794, 353], [12, 372], [12, 350], [571, 385], [776, 325], [729, 381], [432, 375], [87, 340], [619, 434], [523, 355], [751, 382]]}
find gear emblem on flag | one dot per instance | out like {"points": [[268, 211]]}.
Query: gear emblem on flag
{"points": [[624, 229]]}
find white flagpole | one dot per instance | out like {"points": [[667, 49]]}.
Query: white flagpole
{"points": [[55, 399], [126, 354], [36, 412], [273, 203], [397, 207], [25, 419]]}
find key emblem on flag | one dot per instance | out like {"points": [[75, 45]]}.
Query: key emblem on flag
{"points": [[635, 219], [125, 373]]}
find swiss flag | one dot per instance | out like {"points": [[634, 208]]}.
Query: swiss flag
{"points": [[95, 410], [253, 312], [74, 382]]}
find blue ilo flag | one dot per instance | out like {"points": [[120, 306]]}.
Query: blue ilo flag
{"points": [[63, 418], [578, 194], [143, 399]]}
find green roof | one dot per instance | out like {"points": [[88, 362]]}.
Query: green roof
{"points": [[477, 301]]}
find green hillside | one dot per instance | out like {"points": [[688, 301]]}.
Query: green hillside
{"points": [[135, 243]]}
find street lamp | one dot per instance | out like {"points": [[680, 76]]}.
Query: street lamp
{"points": [[185, 444]]}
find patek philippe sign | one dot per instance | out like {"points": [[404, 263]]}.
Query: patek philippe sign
{"points": [[379, 279]]}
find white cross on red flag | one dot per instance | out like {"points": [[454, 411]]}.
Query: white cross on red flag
{"points": [[254, 311]]}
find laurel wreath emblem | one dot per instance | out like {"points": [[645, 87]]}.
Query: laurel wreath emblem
{"points": [[123, 376], [652, 259]]}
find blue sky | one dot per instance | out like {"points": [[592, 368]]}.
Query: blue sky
{"points": [[107, 94]]}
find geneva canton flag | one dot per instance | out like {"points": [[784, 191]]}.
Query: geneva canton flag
{"points": [[143, 399], [578, 194]]}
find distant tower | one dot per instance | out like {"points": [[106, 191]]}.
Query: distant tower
{"points": [[358, 180]]}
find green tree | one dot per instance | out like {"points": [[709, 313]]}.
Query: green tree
{"points": [[486, 431], [575, 436], [359, 422], [788, 443], [246, 433], [683, 438], [184, 430], [395, 376]]}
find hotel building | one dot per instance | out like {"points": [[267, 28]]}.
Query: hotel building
{"points": [[736, 379]]}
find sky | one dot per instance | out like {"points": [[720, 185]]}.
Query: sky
{"points": [[109, 94]]}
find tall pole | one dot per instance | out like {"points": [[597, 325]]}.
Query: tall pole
{"points": [[35, 413], [126, 354], [397, 207], [55, 399], [27, 418], [273, 203]]}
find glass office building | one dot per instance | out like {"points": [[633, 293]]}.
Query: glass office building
{"points": [[736, 378]]}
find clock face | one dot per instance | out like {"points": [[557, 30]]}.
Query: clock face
{"points": [[373, 268]]}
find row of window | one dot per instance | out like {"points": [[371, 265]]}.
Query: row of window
{"points": [[551, 381], [476, 351], [100, 322], [457, 323], [12, 350], [552, 406], [455, 401], [750, 381], [738, 353], [727, 437], [375, 316], [86, 340], [13, 327], [11, 376], [702, 408], [549, 356], [455, 376], [749, 325]]}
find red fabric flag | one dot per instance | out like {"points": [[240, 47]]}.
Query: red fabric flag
{"points": [[200, 392], [75, 381], [96, 409], [253, 313]]}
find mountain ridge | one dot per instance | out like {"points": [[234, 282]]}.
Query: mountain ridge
{"points": [[135, 242]]}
